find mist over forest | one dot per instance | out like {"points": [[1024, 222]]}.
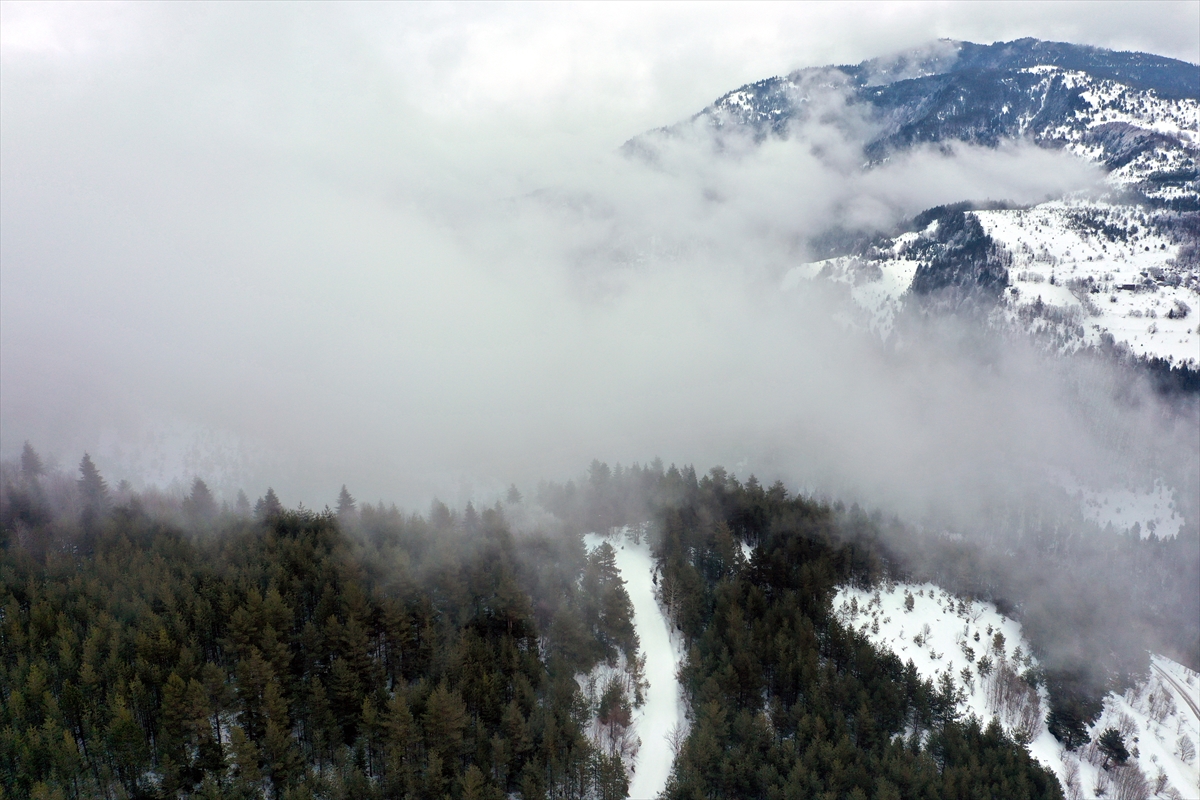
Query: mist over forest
{"points": [[271, 259], [348, 352]]}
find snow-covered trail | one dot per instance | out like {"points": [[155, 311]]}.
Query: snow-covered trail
{"points": [[664, 707]]}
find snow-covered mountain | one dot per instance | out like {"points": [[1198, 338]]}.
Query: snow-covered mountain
{"points": [[1073, 272], [1120, 267], [1136, 114]]}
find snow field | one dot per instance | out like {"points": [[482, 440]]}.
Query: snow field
{"points": [[1066, 276], [1154, 718], [1059, 261], [879, 295], [943, 634], [662, 716], [1109, 103], [1152, 510]]}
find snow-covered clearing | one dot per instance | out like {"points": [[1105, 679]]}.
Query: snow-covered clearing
{"points": [[877, 287], [943, 634], [663, 712], [1104, 271], [1080, 271], [1148, 511]]}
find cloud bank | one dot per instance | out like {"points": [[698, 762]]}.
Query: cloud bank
{"points": [[397, 249]]}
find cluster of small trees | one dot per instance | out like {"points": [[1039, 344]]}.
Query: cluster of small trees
{"points": [[1015, 700]]}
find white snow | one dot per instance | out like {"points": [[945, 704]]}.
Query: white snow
{"points": [[1128, 288], [879, 294], [1069, 283], [664, 710], [1154, 716], [1107, 102], [1151, 510]]}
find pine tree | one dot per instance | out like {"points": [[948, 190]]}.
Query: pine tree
{"points": [[245, 759], [92, 486], [200, 504], [347, 508], [268, 506], [445, 719], [279, 750], [1112, 745], [31, 464], [473, 787]]}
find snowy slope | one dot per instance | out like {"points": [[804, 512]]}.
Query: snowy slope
{"points": [[876, 285], [663, 712], [1134, 114], [1148, 142], [1122, 264], [1079, 271], [944, 634], [1146, 511], [1104, 268]]}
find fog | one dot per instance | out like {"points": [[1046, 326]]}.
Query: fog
{"points": [[397, 248]]}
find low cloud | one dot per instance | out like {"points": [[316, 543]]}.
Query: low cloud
{"points": [[278, 263]]}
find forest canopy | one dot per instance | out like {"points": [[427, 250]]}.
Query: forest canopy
{"points": [[159, 646]]}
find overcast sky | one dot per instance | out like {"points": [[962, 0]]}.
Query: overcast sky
{"points": [[293, 243]]}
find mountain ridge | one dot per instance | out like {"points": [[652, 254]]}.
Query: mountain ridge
{"points": [[1135, 114], [1117, 268]]}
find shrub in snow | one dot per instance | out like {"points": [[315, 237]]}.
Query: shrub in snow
{"points": [[1071, 780], [1160, 782], [1130, 784], [1180, 311], [1127, 726], [920, 639], [1185, 749], [1160, 704]]}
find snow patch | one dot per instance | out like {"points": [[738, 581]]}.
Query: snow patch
{"points": [[1150, 511]]}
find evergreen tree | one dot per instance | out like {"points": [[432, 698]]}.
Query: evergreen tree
{"points": [[346, 506], [92, 487], [31, 464], [200, 504], [268, 506], [1112, 744]]}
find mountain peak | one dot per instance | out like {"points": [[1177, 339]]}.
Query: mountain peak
{"points": [[1168, 77]]}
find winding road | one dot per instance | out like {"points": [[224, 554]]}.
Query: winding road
{"points": [[1183, 692]]}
